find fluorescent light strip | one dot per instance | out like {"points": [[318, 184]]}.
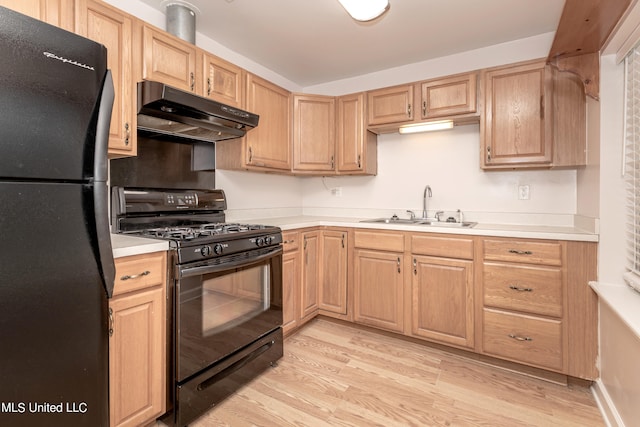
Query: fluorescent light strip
{"points": [[426, 127]]}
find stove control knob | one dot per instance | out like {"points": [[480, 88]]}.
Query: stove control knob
{"points": [[260, 241], [268, 240], [217, 249], [205, 250]]}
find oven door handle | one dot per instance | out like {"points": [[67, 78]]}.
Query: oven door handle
{"points": [[206, 269]]}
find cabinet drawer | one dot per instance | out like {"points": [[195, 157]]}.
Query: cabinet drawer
{"points": [[451, 247], [521, 338], [390, 242], [526, 251], [139, 272], [536, 290], [290, 241]]}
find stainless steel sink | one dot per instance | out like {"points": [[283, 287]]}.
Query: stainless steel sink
{"points": [[394, 220], [465, 224], [420, 221]]}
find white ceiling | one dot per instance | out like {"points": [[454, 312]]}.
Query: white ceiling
{"points": [[311, 42]]}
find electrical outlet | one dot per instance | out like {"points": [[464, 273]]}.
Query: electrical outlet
{"points": [[523, 192], [336, 191]]}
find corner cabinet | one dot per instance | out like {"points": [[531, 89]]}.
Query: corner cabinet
{"points": [[356, 147], [333, 274], [137, 340], [314, 140], [113, 28], [534, 117]]}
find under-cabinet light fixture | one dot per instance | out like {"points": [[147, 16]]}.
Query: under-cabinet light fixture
{"points": [[426, 127], [365, 10]]}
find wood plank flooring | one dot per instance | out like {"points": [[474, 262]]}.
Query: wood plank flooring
{"points": [[336, 375]]}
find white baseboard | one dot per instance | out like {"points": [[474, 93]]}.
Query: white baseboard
{"points": [[605, 404]]}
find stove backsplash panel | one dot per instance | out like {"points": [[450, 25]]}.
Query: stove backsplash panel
{"points": [[163, 163]]}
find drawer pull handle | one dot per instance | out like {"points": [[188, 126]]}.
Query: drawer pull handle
{"points": [[135, 276], [519, 289], [519, 338], [517, 252], [289, 241]]}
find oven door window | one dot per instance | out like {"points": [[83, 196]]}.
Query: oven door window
{"points": [[220, 313], [230, 300]]}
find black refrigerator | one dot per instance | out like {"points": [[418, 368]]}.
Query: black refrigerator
{"points": [[56, 263]]}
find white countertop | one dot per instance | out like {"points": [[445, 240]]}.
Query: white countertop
{"points": [[480, 229], [125, 245]]}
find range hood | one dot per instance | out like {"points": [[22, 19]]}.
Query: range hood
{"points": [[164, 111]]}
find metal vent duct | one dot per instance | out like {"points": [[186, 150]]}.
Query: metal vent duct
{"points": [[181, 21]]}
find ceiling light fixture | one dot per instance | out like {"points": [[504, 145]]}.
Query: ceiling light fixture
{"points": [[365, 10], [426, 127]]}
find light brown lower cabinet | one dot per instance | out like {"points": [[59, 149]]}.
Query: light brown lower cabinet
{"points": [[333, 274], [378, 289], [137, 340], [290, 280], [442, 300], [519, 300]]}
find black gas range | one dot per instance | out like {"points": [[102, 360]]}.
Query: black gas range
{"points": [[224, 292]]}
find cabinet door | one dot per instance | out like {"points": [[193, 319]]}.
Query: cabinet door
{"points": [[356, 147], [290, 289], [111, 27], [314, 133], [442, 300], [223, 81], [60, 13], [378, 289], [333, 286], [136, 357], [516, 130], [269, 144], [450, 96], [390, 105], [309, 292], [168, 59]]}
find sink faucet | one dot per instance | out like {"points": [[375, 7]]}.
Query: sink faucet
{"points": [[425, 196]]}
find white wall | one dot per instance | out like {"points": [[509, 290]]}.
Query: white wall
{"points": [[449, 162], [611, 253]]}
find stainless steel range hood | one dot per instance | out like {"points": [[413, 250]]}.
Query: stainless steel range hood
{"points": [[166, 111]]}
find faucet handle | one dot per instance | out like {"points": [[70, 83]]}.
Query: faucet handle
{"points": [[438, 215]]}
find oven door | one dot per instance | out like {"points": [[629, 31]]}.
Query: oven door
{"points": [[225, 305]]}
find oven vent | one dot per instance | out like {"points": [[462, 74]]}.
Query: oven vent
{"points": [[181, 20]]}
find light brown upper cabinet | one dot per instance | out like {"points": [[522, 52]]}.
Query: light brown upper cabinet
{"points": [[356, 147], [113, 28], [314, 142], [168, 59], [223, 81], [449, 96], [60, 13], [534, 116], [390, 105], [454, 97], [267, 147]]}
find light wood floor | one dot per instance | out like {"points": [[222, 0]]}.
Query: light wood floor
{"points": [[337, 375]]}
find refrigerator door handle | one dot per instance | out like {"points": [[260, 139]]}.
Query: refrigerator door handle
{"points": [[101, 190], [102, 129]]}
